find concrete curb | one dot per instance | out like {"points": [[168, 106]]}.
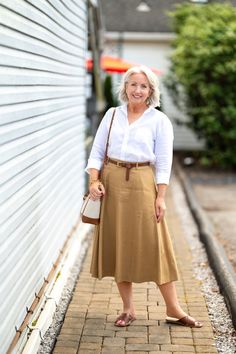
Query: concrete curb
{"points": [[223, 270]]}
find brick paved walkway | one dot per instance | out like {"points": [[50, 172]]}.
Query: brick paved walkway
{"points": [[88, 326]]}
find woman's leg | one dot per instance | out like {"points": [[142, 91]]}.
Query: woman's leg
{"points": [[169, 294], [125, 290], [173, 308]]}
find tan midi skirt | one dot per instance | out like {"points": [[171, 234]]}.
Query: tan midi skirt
{"points": [[129, 244]]}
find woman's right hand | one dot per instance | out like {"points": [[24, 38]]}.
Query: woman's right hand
{"points": [[96, 190]]}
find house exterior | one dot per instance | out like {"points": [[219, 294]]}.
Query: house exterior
{"points": [[42, 152], [145, 38]]}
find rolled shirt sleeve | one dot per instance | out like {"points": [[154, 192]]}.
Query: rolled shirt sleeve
{"points": [[164, 151], [97, 153]]}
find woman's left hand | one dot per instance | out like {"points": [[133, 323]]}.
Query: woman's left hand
{"points": [[160, 208]]}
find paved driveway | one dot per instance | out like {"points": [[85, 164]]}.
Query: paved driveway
{"points": [[216, 193]]}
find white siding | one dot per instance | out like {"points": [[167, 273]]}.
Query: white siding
{"points": [[42, 128]]}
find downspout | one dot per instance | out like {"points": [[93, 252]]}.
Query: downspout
{"points": [[95, 41]]}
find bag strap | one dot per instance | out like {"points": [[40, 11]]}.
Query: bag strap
{"points": [[108, 137]]}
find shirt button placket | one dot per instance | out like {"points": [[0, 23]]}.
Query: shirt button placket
{"points": [[124, 151]]}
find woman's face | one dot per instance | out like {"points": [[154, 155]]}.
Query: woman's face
{"points": [[138, 89]]}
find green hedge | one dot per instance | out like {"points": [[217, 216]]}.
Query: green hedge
{"points": [[202, 78]]}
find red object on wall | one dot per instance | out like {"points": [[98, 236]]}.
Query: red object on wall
{"points": [[114, 65]]}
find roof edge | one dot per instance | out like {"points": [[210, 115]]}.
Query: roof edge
{"points": [[137, 36]]}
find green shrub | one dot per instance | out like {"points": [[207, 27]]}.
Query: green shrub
{"points": [[108, 93], [202, 77]]}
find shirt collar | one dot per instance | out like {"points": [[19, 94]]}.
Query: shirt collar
{"points": [[124, 108]]}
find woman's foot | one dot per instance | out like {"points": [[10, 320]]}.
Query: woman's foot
{"points": [[175, 312], [178, 316], [186, 321], [125, 319]]}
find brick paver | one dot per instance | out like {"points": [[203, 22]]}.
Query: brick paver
{"points": [[88, 325]]}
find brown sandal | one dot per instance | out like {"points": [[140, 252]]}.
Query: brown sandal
{"points": [[126, 317], [184, 321]]}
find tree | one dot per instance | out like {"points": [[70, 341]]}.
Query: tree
{"points": [[202, 76]]}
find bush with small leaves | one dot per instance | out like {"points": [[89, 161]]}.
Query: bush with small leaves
{"points": [[202, 77]]}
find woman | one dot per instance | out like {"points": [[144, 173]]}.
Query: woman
{"points": [[132, 242]]}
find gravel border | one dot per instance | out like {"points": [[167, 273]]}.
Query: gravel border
{"points": [[49, 340], [224, 333]]}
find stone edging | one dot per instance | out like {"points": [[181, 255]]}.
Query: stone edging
{"points": [[223, 270]]}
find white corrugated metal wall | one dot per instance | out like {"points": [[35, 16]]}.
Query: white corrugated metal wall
{"points": [[42, 123]]}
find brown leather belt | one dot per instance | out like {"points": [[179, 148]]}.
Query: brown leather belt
{"points": [[127, 165]]}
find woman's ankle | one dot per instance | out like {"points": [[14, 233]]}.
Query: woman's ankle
{"points": [[177, 312], [129, 310]]}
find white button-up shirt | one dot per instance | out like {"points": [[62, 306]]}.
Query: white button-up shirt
{"points": [[149, 138]]}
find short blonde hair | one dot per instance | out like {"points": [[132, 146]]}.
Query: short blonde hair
{"points": [[154, 98]]}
